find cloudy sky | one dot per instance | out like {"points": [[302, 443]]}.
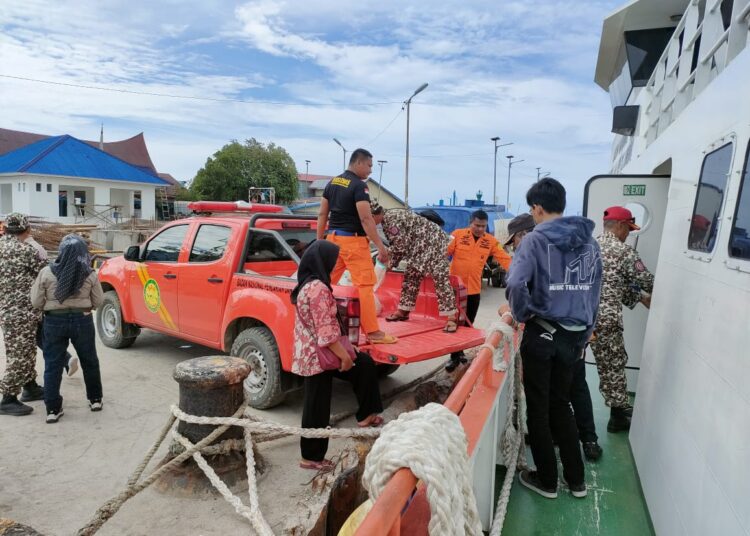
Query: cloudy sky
{"points": [[299, 73]]}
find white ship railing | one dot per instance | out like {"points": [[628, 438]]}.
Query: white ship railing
{"points": [[675, 83]]}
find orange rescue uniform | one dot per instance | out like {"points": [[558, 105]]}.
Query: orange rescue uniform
{"points": [[470, 256]]}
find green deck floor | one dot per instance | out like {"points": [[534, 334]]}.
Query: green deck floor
{"points": [[614, 505]]}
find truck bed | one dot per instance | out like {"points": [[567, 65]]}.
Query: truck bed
{"points": [[420, 338]]}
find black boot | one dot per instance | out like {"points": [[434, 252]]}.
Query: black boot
{"points": [[618, 420], [32, 391], [11, 406]]}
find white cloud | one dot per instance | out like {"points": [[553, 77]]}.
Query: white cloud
{"points": [[515, 69]]}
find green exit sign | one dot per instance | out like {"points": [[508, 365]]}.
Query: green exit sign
{"points": [[634, 189]]}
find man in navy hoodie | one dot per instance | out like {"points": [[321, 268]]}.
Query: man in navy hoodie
{"points": [[553, 287]]}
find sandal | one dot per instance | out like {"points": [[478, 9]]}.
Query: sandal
{"points": [[451, 326], [323, 465], [376, 421], [385, 339], [397, 316]]}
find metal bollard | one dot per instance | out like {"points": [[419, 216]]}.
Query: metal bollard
{"points": [[210, 387]]}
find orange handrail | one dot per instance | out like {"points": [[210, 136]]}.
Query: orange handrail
{"points": [[384, 517]]}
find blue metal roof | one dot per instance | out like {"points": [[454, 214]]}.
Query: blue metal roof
{"points": [[71, 157]]}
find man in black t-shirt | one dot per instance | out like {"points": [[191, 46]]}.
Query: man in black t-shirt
{"points": [[351, 227]]}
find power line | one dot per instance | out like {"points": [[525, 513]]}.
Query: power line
{"points": [[386, 128], [193, 97]]}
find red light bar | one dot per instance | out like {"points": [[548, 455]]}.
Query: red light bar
{"points": [[295, 224], [232, 206]]}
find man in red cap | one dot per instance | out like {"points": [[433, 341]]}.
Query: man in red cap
{"points": [[625, 281]]}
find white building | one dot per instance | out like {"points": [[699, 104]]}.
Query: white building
{"points": [[67, 180]]}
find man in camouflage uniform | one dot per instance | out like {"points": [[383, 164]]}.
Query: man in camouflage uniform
{"points": [[624, 279], [19, 266], [422, 244]]}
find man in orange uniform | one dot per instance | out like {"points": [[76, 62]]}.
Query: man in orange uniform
{"points": [[470, 249], [347, 200]]}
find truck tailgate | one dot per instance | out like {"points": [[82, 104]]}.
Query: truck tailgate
{"points": [[421, 338]]}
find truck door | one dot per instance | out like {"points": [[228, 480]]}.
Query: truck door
{"points": [[204, 280], [153, 284], [646, 197]]}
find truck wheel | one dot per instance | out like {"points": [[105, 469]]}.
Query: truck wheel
{"points": [[387, 370], [258, 347], [113, 332]]}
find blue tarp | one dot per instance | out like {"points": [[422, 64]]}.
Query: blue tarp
{"points": [[71, 157]]}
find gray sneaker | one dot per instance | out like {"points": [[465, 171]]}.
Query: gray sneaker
{"points": [[73, 365], [530, 479], [54, 416]]}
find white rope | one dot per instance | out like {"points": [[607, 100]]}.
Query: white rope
{"points": [[431, 442], [512, 443], [256, 425]]}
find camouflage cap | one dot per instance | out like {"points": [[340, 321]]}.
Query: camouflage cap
{"points": [[16, 223]]}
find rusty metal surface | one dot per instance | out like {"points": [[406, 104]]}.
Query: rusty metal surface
{"points": [[211, 372]]}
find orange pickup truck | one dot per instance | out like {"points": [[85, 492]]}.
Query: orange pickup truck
{"points": [[223, 281]]}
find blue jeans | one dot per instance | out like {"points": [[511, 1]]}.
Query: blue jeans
{"points": [[59, 331]]}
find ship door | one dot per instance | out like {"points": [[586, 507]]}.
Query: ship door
{"points": [[646, 197]]}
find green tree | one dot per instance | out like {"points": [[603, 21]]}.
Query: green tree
{"points": [[236, 167]]}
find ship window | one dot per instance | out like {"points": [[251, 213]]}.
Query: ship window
{"points": [[739, 241], [726, 13], [704, 223], [644, 48]]}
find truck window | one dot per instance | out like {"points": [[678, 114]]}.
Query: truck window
{"points": [[739, 241], [210, 243], [704, 224], [265, 247], [165, 246]]}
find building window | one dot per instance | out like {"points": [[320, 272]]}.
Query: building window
{"points": [[739, 240], [210, 243], [704, 224], [49, 188], [24, 186], [38, 186]]}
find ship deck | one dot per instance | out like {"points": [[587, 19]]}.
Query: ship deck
{"points": [[614, 506]]}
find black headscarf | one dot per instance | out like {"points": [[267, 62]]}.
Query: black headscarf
{"points": [[317, 262], [71, 267]]}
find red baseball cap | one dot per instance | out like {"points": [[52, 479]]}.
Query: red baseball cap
{"points": [[621, 214], [700, 222]]}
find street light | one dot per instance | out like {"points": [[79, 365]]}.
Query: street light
{"points": [[510, 164], [307, 170], [541, 174], [380, 181], [494, 173], [344, 149], [407, 103]]}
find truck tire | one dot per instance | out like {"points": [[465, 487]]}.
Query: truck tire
{"points": [[387, 370], [113, 332], [258, 347]]}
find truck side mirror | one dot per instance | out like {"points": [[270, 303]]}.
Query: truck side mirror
{"points": [[133, 253]]}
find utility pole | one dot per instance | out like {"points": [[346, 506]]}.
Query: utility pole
{"points": [[380, 181], [538, 171], [307, 170], [407, 103], [510, 164]]}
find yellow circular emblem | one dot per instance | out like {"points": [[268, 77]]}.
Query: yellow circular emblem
{"points": [[152, 296]]}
